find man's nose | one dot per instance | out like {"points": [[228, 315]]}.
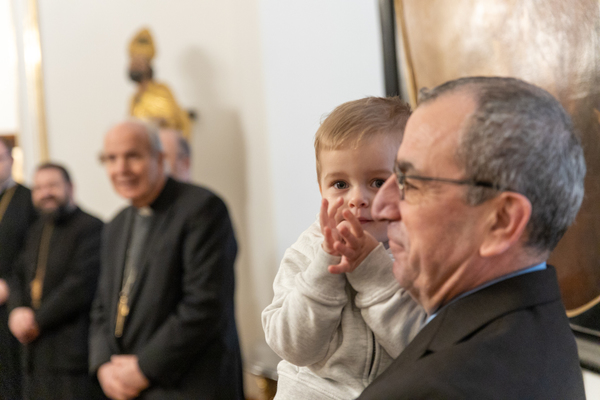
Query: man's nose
{"points": [[386, 204], [120, 165]]}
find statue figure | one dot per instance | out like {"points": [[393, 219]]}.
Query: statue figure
{"points": [[153, 100]]}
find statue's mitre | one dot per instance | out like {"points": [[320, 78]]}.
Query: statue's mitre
{"points": [[142, 45]]}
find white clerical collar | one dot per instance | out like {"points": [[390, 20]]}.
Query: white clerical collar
{"points": [[145, 211]]}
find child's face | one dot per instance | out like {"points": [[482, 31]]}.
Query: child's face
{"points": [[356, 175]]}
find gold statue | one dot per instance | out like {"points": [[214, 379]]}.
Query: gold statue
{"points": [[153, 100]]}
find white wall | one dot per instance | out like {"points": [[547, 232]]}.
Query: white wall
{"points": [[318, 54], [8, 71], [260, 74]]}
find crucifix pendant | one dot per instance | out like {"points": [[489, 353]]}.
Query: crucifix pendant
{"points": [[122, 312]]}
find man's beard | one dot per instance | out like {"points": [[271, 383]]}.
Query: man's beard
{"points": [[54, 213]]}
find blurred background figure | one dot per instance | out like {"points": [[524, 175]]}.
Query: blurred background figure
{"points": [[163, 321], [53, 285], [153, 100], [177, 154], [16, 214]]}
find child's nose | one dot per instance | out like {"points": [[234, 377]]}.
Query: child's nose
{"points": [[358, 198]]}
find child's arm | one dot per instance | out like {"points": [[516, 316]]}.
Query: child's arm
{"points": [[389, 311], [301, 324]]}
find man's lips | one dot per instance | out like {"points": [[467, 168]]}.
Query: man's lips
{"points": [[126, 182], [49, 200]]}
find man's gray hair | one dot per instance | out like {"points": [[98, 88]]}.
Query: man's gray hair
{"points": [[521, 139], [152, 131]]}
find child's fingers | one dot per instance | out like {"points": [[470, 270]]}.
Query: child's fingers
{"points": [[334, 212], [345, 251], [334, 269], [328, 240], [340, 268], [355, 225], [351, 240], [323, 217]]}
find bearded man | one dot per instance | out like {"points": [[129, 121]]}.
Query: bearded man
{"points": [[52, 290]]}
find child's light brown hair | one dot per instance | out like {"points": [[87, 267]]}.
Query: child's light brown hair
{"points": [[356, 121]]}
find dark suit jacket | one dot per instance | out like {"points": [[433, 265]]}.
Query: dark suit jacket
{"points": [[70, 281], [19, 215], [181, 321], [510, 340]]}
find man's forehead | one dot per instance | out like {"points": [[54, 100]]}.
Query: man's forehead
{"points": [[48, 174], [126, 138], [434, 130]]}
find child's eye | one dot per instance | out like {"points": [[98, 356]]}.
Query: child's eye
{"points": [[340, 185], [377, 183]]}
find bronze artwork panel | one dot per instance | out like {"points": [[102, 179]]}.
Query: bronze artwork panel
{"points": [[553, 44]]}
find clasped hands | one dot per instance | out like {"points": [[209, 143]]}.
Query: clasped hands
{"points": [[121, 378], [346, 238], [22, 324]]}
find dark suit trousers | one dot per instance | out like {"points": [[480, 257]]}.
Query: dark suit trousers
{"points": [[43, 384]]}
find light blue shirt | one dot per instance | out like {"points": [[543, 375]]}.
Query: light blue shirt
{"points": [[538, 267]]}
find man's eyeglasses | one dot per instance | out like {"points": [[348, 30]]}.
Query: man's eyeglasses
{"points": [[401, 177]]}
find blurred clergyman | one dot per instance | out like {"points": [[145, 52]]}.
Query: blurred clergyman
{"points": [[16, 215], [177, 154], [163, 322], [52, 291]]}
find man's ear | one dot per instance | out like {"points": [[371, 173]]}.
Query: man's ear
{"points": [[161, 159], [509, 215], [187, 162], [71, 192]]}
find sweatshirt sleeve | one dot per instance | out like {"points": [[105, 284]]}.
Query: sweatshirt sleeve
{"points": [[389, 311], [301, 324]]}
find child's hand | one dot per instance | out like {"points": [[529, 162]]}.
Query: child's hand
{"points": [[327, 218], [354, 244]]}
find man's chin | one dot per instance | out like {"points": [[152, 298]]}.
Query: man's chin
{"points": [[128, 193]]}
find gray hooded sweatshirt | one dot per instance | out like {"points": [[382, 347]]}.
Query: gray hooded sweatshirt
{"points": [[335, 333]]}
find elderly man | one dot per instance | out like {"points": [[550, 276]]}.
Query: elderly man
{"points": [[177, 154], [16, 215], [489, 177], [163, 319], [52, 290]]}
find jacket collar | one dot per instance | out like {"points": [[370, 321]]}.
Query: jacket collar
{"points": [[166, 196], [465, 316]]}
